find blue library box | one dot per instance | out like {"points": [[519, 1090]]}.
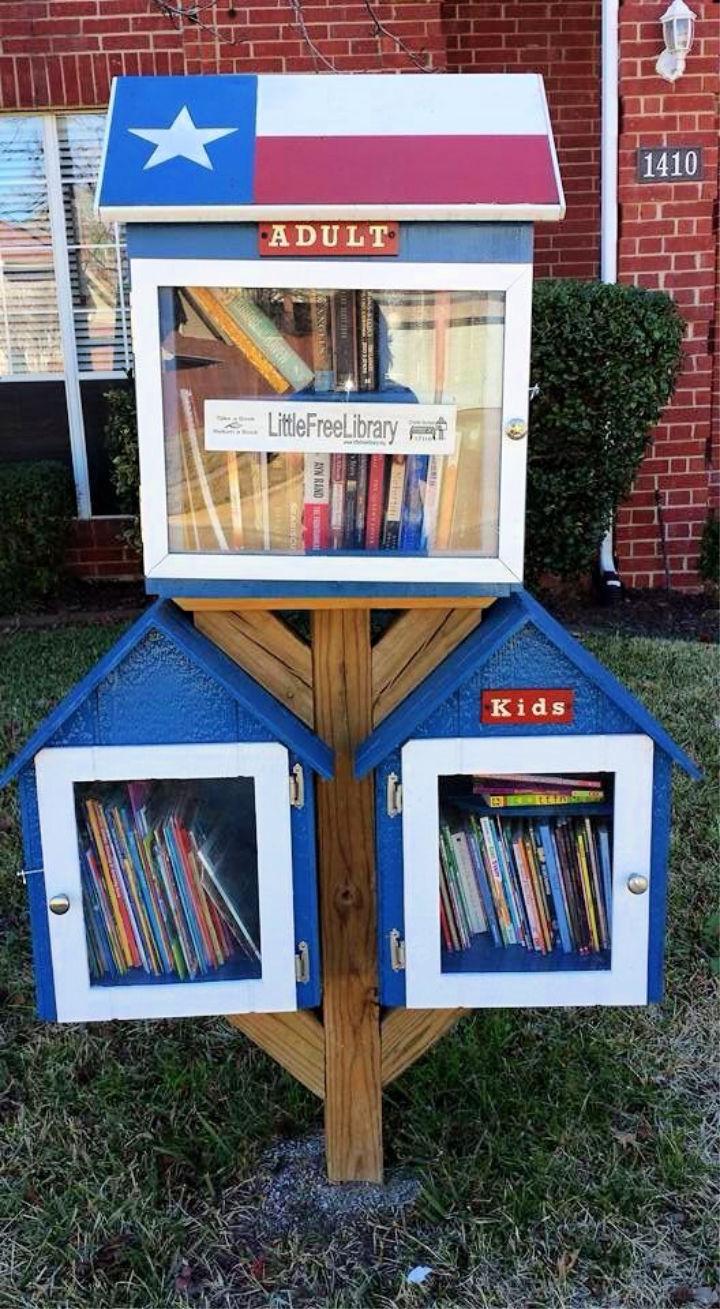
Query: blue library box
{"points": [[331, 326], [522, 824], [168, 823]]}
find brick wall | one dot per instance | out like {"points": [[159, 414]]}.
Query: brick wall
{"points": [[669, 239], [561, 41], [64, 53]]}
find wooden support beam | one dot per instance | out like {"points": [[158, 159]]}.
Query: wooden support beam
{"points": [[247, 603], [267, 649], [295, 1040], [353, 1093], [412, 647], [407, 1033]]}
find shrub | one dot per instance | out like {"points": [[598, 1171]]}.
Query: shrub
{"points": [[121, 440], [36, 507], [605, 358]]}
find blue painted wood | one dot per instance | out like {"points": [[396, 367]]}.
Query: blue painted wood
{"points": [[390, 903], [474, 243], [484, 957], [236, 589], [132, 704], [39, 930], [305, 897], [517, 644], [662, 806]]}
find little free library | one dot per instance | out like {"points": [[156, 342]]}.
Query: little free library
{"points": [[340, 843]]}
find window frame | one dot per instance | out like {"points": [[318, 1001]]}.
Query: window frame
{"points": [[149, 275], [57, 769], [72, 375], [625, 982]]}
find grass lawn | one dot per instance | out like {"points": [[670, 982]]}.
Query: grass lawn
{"points": [[564, 1155]]}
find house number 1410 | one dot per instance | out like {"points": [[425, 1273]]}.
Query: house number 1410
{"points": [[682, 163]]}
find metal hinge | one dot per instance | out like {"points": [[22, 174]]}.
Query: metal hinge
{"points": [[302, 962], [394, 795], [397, 951], [297, 787]]}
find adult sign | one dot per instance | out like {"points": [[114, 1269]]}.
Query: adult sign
{"points": [[328, 239]]}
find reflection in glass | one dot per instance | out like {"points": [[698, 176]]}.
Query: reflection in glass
{"points": [[525, 871], [170, 880], [441, 347]]}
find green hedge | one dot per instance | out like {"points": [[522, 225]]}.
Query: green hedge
{"points": [[36, 507], [605, 358]]}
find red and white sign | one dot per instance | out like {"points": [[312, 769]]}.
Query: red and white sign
{"points": [[341, 238], [528, 704]]}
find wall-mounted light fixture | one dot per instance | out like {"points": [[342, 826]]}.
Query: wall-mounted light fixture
{"points": [[678, 26]]}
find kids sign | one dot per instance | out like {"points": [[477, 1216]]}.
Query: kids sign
{"points": [[342, 238], [529, 704], [300, 425]]}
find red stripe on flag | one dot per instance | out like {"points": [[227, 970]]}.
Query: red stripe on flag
{"points": [[404, 170]]}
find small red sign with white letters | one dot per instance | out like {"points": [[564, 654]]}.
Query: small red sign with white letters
{"points": [[528, 704], [328, 238]]}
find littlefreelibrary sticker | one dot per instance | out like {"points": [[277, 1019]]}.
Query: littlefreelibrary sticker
{"points": [[301, 426]]}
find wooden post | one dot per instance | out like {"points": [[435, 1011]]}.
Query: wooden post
{"points": [[343, 717]]}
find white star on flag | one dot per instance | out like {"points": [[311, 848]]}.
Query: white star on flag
{"points": [[181, 140]]}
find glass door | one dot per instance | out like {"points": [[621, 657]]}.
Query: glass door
{"points": [[169, 879], [521, 895]]}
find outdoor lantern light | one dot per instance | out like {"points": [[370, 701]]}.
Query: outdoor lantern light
{"points": [[678, 25]]}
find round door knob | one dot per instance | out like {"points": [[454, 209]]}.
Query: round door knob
{"points": [[637, 883], [516, 429], [59, 904]]}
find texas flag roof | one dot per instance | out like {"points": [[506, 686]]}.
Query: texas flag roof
{"points": [[443, 146]]}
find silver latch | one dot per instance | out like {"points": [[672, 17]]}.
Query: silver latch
{"points": [[394, 795], [297, 787], [397, 951], [302, 962], [24, 873]]}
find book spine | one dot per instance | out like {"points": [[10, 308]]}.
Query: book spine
{"points": [[603, 837], [337, 500], [366, 342], [556, 886], [414, 499], [432, 500], [321, 324], [262, 331], [220, 320], [596, 883], [538, 939], [375, 501], [394, 504], [316, 512], [477, 921], [504, 914], [352, 469], [362, 500], [483, 886], [344, 336]]}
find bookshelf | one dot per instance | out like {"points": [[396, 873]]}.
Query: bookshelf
{"points": [[331, 425]]}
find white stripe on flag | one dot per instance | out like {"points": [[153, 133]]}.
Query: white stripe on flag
{"points": [[417, 104]]}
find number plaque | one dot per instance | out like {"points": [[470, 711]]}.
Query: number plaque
{"points": [[669, 163]]}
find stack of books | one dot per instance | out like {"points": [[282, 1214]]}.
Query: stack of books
{"points": [[542, 883], [158, 893], [431, 347]]}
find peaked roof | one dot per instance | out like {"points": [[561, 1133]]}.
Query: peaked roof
{"points": [[281, 146], [166, 618], [504, 620]]}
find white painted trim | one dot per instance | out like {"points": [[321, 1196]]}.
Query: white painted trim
{"points": [[203, 213], [553, 149], [76, 424], [77, 1000], [630, 758], [150, 274], [609, 141]]}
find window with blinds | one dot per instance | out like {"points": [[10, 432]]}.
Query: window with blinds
{"points": [[30, 340], [98, 275]]}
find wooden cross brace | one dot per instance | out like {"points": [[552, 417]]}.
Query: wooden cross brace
{"points": [[342, 687]]}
